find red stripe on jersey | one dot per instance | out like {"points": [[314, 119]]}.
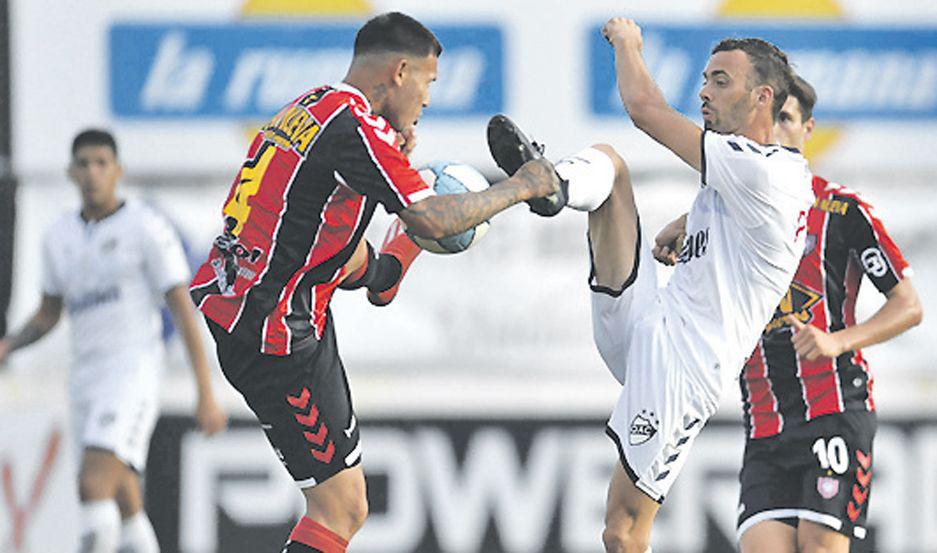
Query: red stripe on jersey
{"points": [[819, 379], [381, 141], [341, 216], [765, 418]]}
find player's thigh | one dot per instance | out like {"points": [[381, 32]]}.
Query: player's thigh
{"points": [[819, 538], [629, 512], [614, 230], [769, 536]]}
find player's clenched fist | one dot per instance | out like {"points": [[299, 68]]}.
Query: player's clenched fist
{"points": [[622, 32]]}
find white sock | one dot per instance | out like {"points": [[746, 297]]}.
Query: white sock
{"points": [[137, 535], [100, 527], [590, 175]]}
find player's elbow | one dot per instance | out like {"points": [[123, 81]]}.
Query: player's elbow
{"points": [[915, 312], [640, 111]]}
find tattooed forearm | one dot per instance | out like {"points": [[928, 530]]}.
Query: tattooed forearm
{"points": [[439, 216]]}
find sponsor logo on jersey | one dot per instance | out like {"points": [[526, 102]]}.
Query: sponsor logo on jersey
{"points": [[695, 246], [827, 487], [247, 70], [95, 298], [836, 207], [798, 301], [643, 427], [874, 263]]}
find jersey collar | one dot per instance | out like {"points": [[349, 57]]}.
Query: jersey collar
{"points": [[345, 87]]}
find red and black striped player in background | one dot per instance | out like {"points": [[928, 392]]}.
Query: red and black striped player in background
{"points": [[293, 231], [807, 391]]}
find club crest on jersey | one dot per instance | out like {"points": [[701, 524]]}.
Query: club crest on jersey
{"points": [[643, 427], [827, 487], [798, 301]]}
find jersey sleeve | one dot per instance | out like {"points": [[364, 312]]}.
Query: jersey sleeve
{"points": [[51, 281], [164, 258], [367, 160], [876, 252], [736, 170]]}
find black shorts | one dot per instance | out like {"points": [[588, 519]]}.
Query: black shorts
{"points": [[302, 401], [820, 471]]}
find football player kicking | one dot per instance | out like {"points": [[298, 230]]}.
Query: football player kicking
{"points": [[674, 348]]}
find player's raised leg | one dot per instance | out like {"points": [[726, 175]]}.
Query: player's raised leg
{"points": [[613, 223]]}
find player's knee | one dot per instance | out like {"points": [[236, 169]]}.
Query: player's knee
{"points": [[621, 540], [359, 512], [621, 168]]}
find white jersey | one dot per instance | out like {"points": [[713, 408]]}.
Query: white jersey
{"points": [[112, 275], [744, 239]]}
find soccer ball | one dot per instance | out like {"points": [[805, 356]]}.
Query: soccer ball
{"points": [[448, 177]]}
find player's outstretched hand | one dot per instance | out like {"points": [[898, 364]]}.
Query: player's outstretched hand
{"points": [[622, 32], [669, 241], [539, 177], [812, 343], [211, 418]]}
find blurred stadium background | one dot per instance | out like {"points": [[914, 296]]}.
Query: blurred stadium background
{"points": [[481, 396]]}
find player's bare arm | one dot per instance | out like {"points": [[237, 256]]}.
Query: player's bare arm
{"points": [[901, 311], [211, 418], [439, 216], [644, 101], [44, 320], [669, 241]]}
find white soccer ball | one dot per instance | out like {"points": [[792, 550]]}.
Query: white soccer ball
{"points": [[448, 177]]}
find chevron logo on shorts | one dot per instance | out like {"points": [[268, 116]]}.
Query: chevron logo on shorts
{"points": [[317, 434]]}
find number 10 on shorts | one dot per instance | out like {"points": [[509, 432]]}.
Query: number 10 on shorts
{"points": [[832, 454]]}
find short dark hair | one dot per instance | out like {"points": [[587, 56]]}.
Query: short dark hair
{"points": [[94, 137], [396, 32], [806, 96], [770, 65]]}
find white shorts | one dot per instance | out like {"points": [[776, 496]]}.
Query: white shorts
{"points": [[117, 409], [661, 409]]}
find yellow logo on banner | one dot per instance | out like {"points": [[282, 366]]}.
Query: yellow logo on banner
{"points": [[306, 7], [824, 138]]}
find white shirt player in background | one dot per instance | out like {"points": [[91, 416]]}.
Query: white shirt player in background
{"points": [[111, 266], [736, 251]]}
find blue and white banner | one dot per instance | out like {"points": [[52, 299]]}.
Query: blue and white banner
{"points": [[860, 73], [248, 71]]}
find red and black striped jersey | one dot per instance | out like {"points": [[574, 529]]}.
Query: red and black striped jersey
{"points": [[845, 240], [296, 211]]}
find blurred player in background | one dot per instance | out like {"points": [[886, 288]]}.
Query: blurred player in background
{"points": [[809, 414], [673, 348], [293, 227], [111, 266]]}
